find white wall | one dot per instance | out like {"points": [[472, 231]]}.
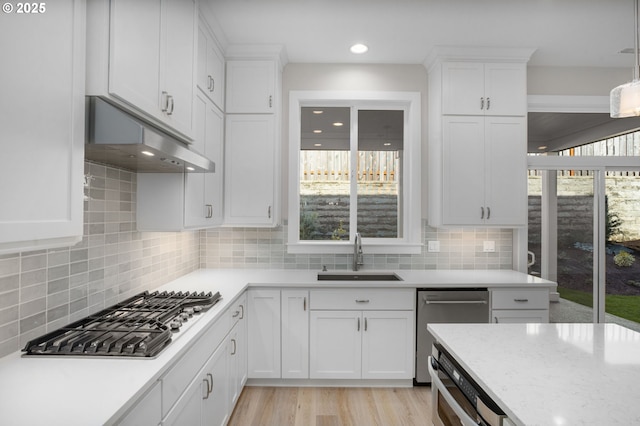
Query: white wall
{"points": [[575, 81]]}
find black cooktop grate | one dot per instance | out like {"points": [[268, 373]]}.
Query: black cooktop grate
{"points": [[136, 327]]}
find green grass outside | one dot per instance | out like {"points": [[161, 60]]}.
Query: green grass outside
{"points": [[627, 307]]}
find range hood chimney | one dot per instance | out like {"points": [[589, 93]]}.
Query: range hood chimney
{"points": [[117, 138]]}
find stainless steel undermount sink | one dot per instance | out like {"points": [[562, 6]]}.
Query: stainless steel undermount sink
{"points": [[358, 276]]}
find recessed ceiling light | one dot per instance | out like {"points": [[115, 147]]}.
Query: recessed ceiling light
{"points": [[359, 48], [318, 111], [338, 124], [541, 147], [149, 153], [387, 144], [317, 131], [317, 144], [190, 168]]}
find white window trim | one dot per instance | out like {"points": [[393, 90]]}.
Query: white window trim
{"points": [[410, 243]]}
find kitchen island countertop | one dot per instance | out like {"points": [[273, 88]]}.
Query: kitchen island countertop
{"points": [[88, 391], [551, 374]]}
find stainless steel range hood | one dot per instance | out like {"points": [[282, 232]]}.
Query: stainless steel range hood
{"points": [[117, 138]]}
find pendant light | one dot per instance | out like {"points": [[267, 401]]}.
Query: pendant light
{"points": [[625, 99]]}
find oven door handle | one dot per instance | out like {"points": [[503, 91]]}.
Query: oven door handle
{"points": [[442, 390], [455, 302]]}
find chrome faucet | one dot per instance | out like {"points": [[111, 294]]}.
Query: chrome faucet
{"points": [[358, 259]]}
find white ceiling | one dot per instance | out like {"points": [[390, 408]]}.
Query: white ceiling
{"points": [[564, 32], [588, 33]]}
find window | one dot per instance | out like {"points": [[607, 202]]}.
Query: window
{"points": [[354, 164]]}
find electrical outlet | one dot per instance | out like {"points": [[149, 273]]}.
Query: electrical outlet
{"points": [[433, 246], [489, 246]]}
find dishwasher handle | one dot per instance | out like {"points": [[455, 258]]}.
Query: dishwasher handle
{"points": [[454, 302]]}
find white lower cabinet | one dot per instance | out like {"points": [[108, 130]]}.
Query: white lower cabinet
{"points": [[369, 343], [295, 334], [520, 306], [147, 410], [264, 334], [361, 344], [204, 384]]}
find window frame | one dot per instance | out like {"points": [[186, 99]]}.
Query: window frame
{"points": [[410, 102]]}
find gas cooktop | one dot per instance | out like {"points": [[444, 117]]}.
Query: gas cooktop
{"points": [[140, 327]]}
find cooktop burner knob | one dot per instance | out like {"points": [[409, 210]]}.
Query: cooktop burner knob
{"points": [[184, 316], [188, 311], [197, 309], [175, 324]]}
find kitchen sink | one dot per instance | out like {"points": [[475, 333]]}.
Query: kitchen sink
{"points": [[358, 276]]}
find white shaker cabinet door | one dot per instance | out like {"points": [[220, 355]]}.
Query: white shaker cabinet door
{"points": [[335, 345], [251, 87], [42, 118], [250, 175], [463, 168], [177, 71], [264, 334], [387, 344], [295, 334], [134, 53]]}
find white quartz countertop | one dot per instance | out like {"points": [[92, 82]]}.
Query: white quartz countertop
{"points": [[94, 391], [552, 374]]}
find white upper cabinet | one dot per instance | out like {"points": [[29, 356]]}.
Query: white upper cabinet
{"points": [[484, 171], [251, 86], [210, 67], [179, 201], [472, 88], [252, 136], [42, 110], [141, 55], [251, 175], [477, 137]]}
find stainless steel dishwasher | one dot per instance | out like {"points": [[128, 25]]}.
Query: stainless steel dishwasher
{"points": [[445, 306]]}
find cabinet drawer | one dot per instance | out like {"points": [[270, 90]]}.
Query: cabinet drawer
{"points": [[182, 373], [520, 299], [362, 299]]}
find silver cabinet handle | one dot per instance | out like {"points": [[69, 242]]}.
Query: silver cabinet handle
{"points": [[270, 101], [209, 211], [170, 105], [235, 314], [209, 382], [481, 212], [362, 300], [481, 103], [269, 212], [455, 302], [234, 346], [496, 319], [365, 323], [521, 300], [304, 304], [488, 213], [241, 311], [488, 103], [358, 324], [165, 101]]}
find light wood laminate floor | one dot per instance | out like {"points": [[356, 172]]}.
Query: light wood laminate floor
{"points": [[283, 406]]}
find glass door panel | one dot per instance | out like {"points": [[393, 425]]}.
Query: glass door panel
{"points": [[622, 256], [561, 239]]}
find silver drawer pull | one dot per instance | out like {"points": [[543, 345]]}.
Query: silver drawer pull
{"points": [[362, 300], [235, 314], [455, 302], [520, 300]]}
